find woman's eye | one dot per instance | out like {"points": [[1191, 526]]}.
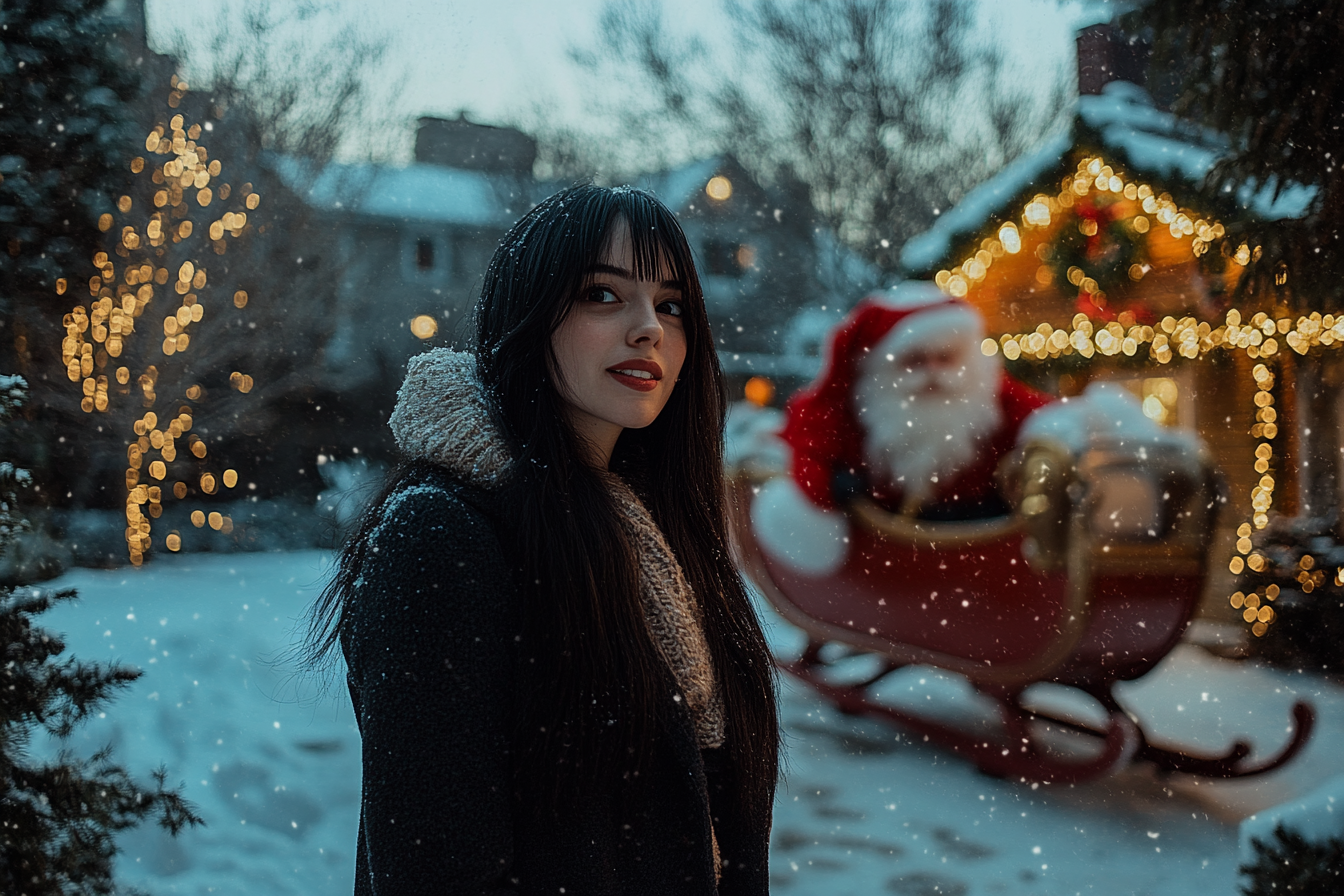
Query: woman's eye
{"points": [[672, 308], [601, 295]]}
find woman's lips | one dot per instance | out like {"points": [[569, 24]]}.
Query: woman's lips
{"points": [[637, 374]]}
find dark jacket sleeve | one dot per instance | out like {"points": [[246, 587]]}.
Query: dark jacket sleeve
{"points": [[429, 638]]}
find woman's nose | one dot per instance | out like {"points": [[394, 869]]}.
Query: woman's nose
{"points": [[645, 327]]}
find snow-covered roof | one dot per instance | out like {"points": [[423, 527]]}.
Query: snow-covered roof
{"points": [[417, 192], [1152, 140], [457, 196], [923, 252], [1135, 132]]}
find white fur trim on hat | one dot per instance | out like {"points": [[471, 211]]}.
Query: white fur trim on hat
{"points": [[794, 531], [911, 294], [954, 324]]}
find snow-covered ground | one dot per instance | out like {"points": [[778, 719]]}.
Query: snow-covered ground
{"points": [[273, 765]]}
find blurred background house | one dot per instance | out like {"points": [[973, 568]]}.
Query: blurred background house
{"points": [[1106, 226]]}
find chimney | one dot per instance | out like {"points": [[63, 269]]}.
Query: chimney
{"points": [[1107, 54], [459, 143]]}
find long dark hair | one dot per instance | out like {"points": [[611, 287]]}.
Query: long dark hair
{"points": [[588, 693]]}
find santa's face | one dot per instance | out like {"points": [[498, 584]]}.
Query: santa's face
{"points": [[923, 372], [927, 398]]}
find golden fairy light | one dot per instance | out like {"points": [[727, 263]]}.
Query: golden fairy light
{"points": [[719, 188], [423, 326], [99, 331], [1192, 339], [1092, 176]]}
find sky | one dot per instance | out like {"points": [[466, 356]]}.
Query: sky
{"points": [[500, 59]]}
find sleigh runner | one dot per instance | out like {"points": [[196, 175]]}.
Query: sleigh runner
{"points": [[1090, 579]]}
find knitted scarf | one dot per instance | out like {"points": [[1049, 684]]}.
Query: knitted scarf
{"points": [[441, 416]]}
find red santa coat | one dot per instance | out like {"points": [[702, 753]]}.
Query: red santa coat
{"points": [[826, 436]]}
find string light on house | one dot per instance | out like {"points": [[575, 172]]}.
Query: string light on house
{"points": [[1258, 339], [1186, 336], [1141, 208], [183, 184]]}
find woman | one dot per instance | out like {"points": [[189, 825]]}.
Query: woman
{"points": [[559, 681]]}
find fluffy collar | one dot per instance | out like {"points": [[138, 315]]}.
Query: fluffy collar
{"points": [[442, 416]]}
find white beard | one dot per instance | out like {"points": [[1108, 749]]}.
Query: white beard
{"points": [[914, 438]]}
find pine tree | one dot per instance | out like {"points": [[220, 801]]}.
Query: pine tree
{"points": [[69, 87], [58, 819], [66, 89], [1292, 864], [1268, 74]]}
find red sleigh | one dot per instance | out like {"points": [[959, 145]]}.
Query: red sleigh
{"points": [[1091, 580]]}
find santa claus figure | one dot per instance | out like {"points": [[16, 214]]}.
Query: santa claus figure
{"points": [[908, 411]]}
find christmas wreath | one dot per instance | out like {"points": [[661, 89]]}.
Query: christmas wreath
{"points": [[1100, 256]]}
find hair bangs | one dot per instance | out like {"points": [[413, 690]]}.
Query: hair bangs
{"points": [[591, 216], [657, 242]]}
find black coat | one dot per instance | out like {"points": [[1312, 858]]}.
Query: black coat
{"points": [[429, 638]]}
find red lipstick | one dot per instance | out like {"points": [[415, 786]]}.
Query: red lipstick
{"points": [[637, 373]]}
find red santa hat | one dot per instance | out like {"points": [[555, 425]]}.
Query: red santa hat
{"points": [[821, 426]]}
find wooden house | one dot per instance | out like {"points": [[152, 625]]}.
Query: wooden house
{"points": [[1091, 259]]}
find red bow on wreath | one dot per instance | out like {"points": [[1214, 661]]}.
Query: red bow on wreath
{"points": [[1094, 308]]}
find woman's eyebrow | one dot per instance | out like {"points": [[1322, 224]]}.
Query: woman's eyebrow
{"points": [[601, 268]]}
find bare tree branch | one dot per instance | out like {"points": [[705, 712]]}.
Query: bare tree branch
{"points": [[885, 109]]}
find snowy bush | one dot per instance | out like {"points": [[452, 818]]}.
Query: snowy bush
{"points": [[58, 819], [1293, 864]]}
